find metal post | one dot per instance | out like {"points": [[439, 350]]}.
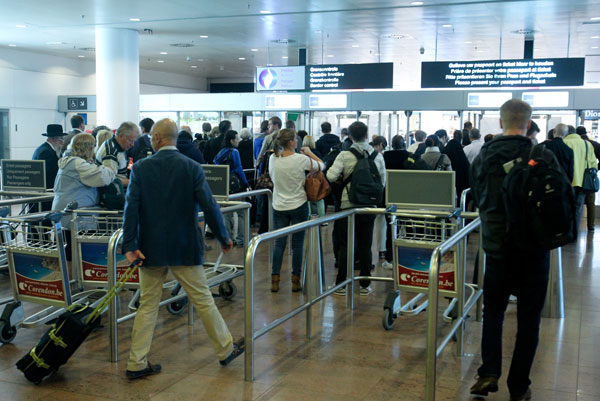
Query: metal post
{"points": [[270, 224], [432, 310], [481, 273], [554, 307], [460, 282], [350, 262], [249, 312], [310, 278], [112, 307]]}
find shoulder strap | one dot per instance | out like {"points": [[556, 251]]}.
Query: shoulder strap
{"points": [[356, 153], [586, 159], [439, 162]]}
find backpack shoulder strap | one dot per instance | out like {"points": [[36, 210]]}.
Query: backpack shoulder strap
{"points": [[356, 153], [439, 162]]}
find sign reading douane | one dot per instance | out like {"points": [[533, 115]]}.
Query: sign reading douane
{"points": [[23, 174], [350, 76], [503, 73], [217, 177]]}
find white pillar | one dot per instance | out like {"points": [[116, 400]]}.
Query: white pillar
{"points": [[117, 76]]}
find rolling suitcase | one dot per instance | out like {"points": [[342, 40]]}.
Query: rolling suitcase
{"points": [[66, 335]]}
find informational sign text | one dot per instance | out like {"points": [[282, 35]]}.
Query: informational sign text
{"points": [[23, 174]]}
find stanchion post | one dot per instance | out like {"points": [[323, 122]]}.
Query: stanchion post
{"points": [[481, 273], [310, 279], [460, 283], [350, 262], [249, 312], [432, 323], [112, 307], [554, 306]]}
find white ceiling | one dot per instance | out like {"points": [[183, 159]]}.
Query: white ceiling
{"points": [[329, 29]]}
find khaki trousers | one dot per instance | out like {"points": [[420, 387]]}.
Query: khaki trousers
{"points": [[193, 280]]}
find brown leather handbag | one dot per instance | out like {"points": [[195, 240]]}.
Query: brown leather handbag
{"points": [[316, 185]]}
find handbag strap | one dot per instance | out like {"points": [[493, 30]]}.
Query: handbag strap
{"points": [[587, 165]]}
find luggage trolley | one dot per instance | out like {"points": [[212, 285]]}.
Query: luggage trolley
{"points": [[428, 217], [35, 251]]}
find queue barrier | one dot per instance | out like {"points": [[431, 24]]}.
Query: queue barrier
{"points": [[114, 320]]}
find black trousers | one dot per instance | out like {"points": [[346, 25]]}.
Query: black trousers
{"points": [[363, 225], [525, 275]]}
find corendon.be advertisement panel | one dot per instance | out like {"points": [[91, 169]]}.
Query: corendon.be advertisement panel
{"points": [[413, 268], [94, 263], [39, 276]]}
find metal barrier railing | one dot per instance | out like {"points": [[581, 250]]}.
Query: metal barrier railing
{"points": [[113, 320], [433, 351]]}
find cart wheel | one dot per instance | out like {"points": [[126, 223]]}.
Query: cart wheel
{"points": [[227, 290], [388, 319], [7, 333], [175, 308]]}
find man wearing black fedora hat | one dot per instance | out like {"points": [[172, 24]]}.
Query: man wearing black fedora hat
{"points": [[49, 151]]}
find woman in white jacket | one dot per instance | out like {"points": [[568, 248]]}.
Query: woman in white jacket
{"points": [[77, 180]]}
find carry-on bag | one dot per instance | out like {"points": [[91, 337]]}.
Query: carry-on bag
{"points": [[66, 335]]}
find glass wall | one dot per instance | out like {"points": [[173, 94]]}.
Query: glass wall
{"points": [[159, 115], [195, 119]]}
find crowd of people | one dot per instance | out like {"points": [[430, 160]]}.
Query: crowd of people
{"points": [[141, 157]]}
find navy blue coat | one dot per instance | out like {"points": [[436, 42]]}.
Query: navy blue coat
{"points": [[161, 210], [46, 152]]}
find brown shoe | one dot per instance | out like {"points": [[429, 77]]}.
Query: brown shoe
{"points": [[485, 385], [274, 282], [296, 286]]}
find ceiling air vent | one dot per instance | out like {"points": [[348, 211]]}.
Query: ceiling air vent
{"points": [[525, 32], [396, 36], [181, 45], [87, 49]]}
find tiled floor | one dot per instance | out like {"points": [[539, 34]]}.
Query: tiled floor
{"points": [[350, 356]]}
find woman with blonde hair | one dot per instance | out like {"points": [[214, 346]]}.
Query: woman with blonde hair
{"points": [[78, 178], [103, 135], [288, 173]]}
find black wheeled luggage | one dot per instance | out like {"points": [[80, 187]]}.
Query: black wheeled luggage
{"points": [[66, 335]]}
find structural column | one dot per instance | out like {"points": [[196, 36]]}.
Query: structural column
{"points": [[117, 76]]}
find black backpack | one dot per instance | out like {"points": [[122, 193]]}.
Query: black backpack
{"points": [[414, 162], [365, 181], [539, 202], [331, 156]]}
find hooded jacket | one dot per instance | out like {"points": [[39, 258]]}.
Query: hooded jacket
{"points": [[77, 180], [231, 157]]}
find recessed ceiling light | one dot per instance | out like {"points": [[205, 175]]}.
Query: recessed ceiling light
{"points": [[253, 50], [595, 18], [284, 57], [81, 56], [355, 45], [12, 45], [55, 43], [134, 19], [594, 47], [330, 55], [268, 65], [377, 54], [203, 36], [241, 58], [479, 51], [468, 42], [160, 61], [193, 66], [265, 12], [200, 59], [595, 37], [416, 3], [164, 53], [20, 26], [447, 26]]}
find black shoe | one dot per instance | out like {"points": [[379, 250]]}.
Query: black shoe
{"points": [[238, 349], [485, 385], [138, 374], [525, 396]]}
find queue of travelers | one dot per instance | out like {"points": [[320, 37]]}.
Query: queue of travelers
{"points": [[79, 165]]}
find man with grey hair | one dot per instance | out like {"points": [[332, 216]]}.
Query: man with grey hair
{"points": [[473, 149], [113, 152], [509, 268], [563, 153], [420, 137]]}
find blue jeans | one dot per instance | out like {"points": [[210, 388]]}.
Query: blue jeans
{"points": [[524, 274], [287, 218]]}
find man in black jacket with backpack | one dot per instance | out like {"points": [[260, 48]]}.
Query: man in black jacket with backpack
{"points": [[510, 269]]}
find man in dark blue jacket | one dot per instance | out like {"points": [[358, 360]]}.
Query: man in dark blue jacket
{"points": [[160, 227]]}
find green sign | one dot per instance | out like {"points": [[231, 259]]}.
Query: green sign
{"points": [[217, 177], [23, 174]]}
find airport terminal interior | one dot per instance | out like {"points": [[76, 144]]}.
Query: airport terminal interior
{"points": [[399, 67]]}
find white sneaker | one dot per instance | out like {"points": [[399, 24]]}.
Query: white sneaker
{"points": [[387, 265], [365, 291], [339, 291]]}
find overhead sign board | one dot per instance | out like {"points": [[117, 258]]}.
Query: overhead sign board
{"points": [[337, 101], [325, 77], [503, 73], [546, 99], [283, 102], [488, 99], [280, 78], [23, 174], [69, 103], [217, 177], [591, 115]]}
